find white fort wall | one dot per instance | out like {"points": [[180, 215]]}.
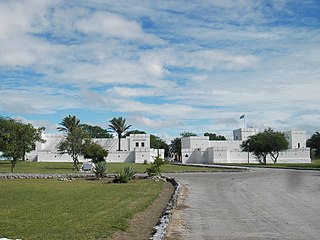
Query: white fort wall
{"points": [[201, 150], [135, 148]]}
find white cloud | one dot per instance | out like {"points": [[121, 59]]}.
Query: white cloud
{"points": [[112, 25], [196, 62], [49, 126], [134, 92], [37, 101], [156, 123]]}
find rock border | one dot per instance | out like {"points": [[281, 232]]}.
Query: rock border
{"points": [[44, 176], [161, 229]]}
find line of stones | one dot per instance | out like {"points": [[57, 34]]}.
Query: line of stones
{"points": [[161, 229], [43, 176]]}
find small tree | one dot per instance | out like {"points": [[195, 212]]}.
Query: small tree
{"points": [[94, 151], [314, 144], [17, 138], [72, 144], [267, 142], [155, 168]]}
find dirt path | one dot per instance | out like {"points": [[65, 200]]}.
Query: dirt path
{"points": [[141, 226], [177, 225]]}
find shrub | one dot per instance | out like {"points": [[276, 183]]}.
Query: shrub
{"points": [[100, 169], [125, 175], [154, 169]]}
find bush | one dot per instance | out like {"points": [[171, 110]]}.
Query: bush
{"points": [[100, 169], [154, 169], [125, 175], [94, 151]]}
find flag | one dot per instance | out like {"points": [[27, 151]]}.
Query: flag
{"points": [[242, 116]]}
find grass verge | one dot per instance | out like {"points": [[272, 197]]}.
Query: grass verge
{"points": [[81, 209], [315, 164], [65, 167]]}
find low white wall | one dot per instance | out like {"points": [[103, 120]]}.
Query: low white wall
{"points": [[223, 155], [295, 156]]}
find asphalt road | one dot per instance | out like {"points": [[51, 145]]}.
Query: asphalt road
{"points": [[260, 204]]}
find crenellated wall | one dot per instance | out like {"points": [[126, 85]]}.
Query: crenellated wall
{"points": [[201, 150]]}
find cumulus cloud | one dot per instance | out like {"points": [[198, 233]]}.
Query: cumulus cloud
{"points": [[156, 123], [114, 26], [180, 66]]}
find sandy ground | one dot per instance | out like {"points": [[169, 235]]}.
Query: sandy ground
{"points": [[141, 226]]}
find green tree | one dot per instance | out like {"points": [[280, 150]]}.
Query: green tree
{"points": [[314, 144], [94, 151], [17, 138], [72, 144], [28, 137], [175, 145], [95, 131], [187, 134], [267, 142], [157, 143], [69, 124], [127, 134], [119, 126], [175, 148], [213, 136]]}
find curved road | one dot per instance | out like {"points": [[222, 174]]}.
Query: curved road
{"points": [[259, 204]]}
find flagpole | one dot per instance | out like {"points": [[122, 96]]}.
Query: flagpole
{"points": [[244, 122]]}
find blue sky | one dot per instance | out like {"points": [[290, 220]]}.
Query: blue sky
{"points": [[166, 66]]}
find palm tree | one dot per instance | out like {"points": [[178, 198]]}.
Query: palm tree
{"points": [[69, 124], [119, 126]]}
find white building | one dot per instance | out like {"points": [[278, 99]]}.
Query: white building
{"points": [[135, 148], [201, 150]]}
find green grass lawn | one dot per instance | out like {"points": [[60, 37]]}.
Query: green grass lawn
{"points": [[315, 164], [81, 209], [41, 167]]}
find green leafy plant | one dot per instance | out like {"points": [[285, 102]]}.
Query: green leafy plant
{"points": [[155, 168], [100, 169], [125, 175]]}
